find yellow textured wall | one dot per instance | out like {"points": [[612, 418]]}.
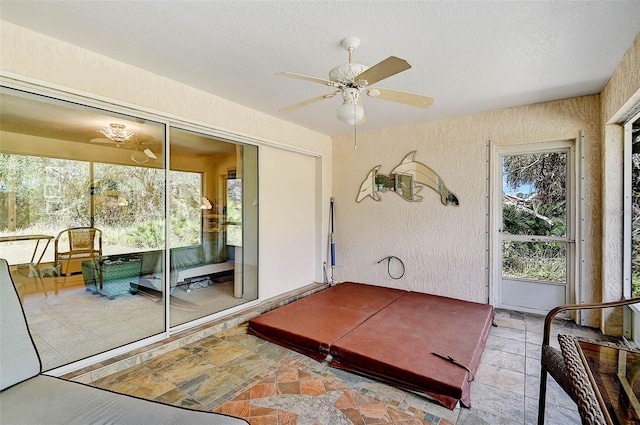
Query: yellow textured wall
{"points": [[444, 247], [621, 92], [619, 96]]}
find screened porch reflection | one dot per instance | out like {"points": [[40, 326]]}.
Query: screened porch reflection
{"points": [[100, 235]]}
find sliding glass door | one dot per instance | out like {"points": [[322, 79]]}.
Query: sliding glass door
{"points": [[113, 234], [206, 226]]}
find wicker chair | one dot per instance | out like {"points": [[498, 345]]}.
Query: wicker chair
{"points": [[552, 363], [77, 243]]}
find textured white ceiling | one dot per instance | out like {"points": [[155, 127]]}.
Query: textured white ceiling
{"points": [[470, 56]]}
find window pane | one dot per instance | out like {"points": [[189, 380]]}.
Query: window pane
{"points": [[82, 223], [33, 202], [534, 194], [545, 261], [86, 291], [129, 206], [186, 202], [206, 226], [234, 212], [635, 209]]}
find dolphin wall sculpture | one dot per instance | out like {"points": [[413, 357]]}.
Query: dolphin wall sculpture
{"points": [[407, 179]]}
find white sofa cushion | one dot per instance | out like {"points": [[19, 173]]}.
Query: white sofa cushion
{"points": [[52, 401], [26, 397], [19, 359]]}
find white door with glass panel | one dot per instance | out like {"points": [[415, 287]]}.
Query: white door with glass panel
{"points": [[534, 244]]}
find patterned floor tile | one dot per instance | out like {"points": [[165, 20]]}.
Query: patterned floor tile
{"points": [[246, 366], [241, 375], [298, 397], [210, 386], [223, 353], [177, 397], [117, 378], [178, 374], [150, 386]]}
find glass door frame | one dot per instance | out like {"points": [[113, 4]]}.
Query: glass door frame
{"points": [[207, 132], [496, 283], [631, 315], [45, 90]]}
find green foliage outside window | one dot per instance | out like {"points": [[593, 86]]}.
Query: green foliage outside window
{"points": [[541, 213], [46, 195], [234, 212]]}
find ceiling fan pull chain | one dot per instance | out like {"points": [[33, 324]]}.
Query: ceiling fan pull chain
{"points": [[355, 124], [355, 138]]}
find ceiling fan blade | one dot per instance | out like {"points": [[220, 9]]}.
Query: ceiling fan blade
{"points": [[150, 153], [308, 78], [388, 67], [309, 102], [398, 96], [102, 140]]}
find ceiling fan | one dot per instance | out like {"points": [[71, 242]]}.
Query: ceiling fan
{"points": [[117, 135], [114, 134], [351, 79]]}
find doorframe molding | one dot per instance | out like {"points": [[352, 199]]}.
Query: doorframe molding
{"points": [[573, 212], [631, 315]]}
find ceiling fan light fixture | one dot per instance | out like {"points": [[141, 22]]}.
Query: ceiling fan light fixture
{"points": [[139, 157], [350, 113], [116, 132]]}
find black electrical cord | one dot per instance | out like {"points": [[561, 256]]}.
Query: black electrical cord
{"points": [[389, 258], [456, 362]]}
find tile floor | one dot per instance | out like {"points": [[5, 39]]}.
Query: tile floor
{"points": [[230, 371], [68, 323]]}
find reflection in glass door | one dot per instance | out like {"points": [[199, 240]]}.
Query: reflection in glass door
{"points": [[206, 226], [93, 195], [89, 172], [535, 231]]}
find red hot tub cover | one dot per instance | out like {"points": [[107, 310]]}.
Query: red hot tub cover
{"points": [[387, 334], [397, 345], [310, 325]]}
